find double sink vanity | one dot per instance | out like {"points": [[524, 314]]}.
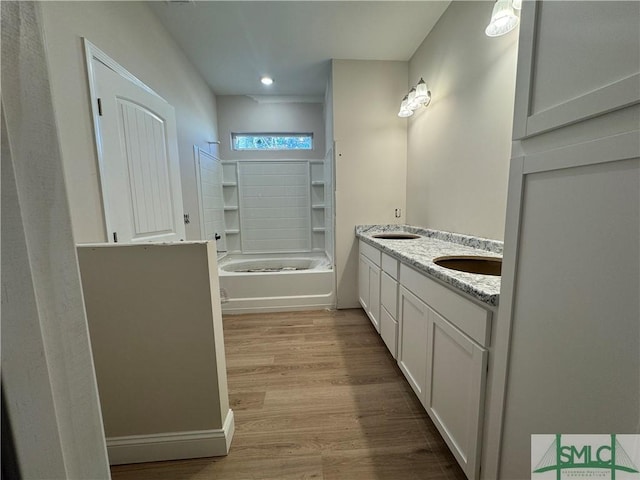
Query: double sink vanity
{"points": [[433, 296]]}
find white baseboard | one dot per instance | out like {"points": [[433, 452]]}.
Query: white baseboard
{"points": [[172, 446]]}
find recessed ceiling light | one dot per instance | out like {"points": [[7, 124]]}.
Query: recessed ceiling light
{"points": [[266, 80]]}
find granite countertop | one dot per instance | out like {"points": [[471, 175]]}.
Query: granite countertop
{"points": [[421, 252]]}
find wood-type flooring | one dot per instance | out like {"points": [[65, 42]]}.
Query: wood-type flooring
{"points": [[316, 395]]}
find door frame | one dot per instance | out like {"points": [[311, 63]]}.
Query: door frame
{"points": [[94, 54], [196, 153]]}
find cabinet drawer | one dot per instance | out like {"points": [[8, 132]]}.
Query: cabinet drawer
{"points": [[389, 331], [389, 294], [472, 319], [390, 265], [370, 252]]}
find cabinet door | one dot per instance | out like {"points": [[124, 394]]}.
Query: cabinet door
{"points": [[412, 342], [454, 397], [363, 282], [389, 331], [576, 60], [369, 290], [374, 296], [389, 312]]}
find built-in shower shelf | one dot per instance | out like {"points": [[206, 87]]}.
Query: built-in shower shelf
{"points": [[230, 208], [319, 206], [317, 183], [318, 230], [232, 232], [229, 184]]}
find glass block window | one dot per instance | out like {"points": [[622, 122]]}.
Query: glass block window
{"points": [[272, 141]]}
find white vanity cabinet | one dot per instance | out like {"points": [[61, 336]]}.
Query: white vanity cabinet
{"points": [[442, 351], [369, 282], [440, 339]]}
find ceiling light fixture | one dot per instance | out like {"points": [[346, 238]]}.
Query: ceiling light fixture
{"points": [[503, 18], [419, 96], [266, 80]]}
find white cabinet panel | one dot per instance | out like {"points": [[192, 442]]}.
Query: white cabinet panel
{"points": [[391, 266], [372, 253], [454, 397], [587, 62], [374, 296], [412, 345], [363, 282], [389, 311], [469, 317], [389, 331], [587, 324], [389, 294], [369, 289]]}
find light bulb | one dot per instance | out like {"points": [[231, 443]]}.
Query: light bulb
{"points": [[503, 19], [405, 111], [411, 99], [423, 96]]}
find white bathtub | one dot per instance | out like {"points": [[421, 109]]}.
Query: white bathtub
{"points": [[276, 282]]}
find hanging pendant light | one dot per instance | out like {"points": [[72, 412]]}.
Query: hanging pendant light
{"points": [[503, 19]]}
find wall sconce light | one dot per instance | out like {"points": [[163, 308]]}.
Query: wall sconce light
{"points": [[503, 17], [419, 96]]}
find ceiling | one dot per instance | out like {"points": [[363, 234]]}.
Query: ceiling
{"points": [[233, 43]]}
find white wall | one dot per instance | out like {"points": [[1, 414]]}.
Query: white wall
{"points": [[130, 34], [158, 346], [275, 206], [371, 151], [48, 380], [239, 113], [459, 147]]}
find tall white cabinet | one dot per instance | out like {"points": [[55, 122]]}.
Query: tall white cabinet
{"points": [[567, 351]]}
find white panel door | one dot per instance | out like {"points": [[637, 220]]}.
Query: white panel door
{"points": [[576, 60], [140, 173], [454, 397], [412, 341], [211, 199], [374, 296]]}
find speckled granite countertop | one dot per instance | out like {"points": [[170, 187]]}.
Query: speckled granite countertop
{"points": [[419, 254]]}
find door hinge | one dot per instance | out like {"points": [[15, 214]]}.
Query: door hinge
{"points": [[100, 107], [187, 220], [115, 237]]}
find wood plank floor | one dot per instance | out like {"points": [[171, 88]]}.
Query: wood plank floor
{"points": [[316, 395]]}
